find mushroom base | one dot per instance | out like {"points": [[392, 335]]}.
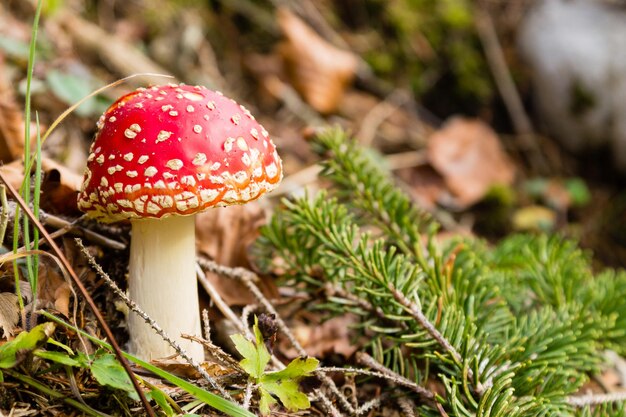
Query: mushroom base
{"points": [[162, 281]]}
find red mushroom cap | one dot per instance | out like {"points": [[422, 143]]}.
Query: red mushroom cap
{"points": [[176, 149]]}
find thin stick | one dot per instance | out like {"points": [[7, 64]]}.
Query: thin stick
{"points": [[504, 81], [206, 324], [218, 300], [83, 291], [137, 310], [390, 375], [596, 399]]}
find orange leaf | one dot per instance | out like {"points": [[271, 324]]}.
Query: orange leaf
{"points": [[318, 70]]}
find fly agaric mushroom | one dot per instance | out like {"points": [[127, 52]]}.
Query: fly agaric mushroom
{"points": [[161, 155]]}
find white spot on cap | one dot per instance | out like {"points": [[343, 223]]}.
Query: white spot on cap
{"points": [[190, 109], [264, 132], [131, 174], [240, 177], [254, 133], [173, 113], [111, 170], [112, 119], [160, 184], [215, 166], [139, 205], [230, 196], [188, 180], [163, 135], [174, 164], [130, 134], [193, 96], [150, 171], [211, 105], [235, 119], [143, 158], [119, 187], [201, 176], [167, 107], [152, 208], [139, 105], [100, 159], [168, 175], [199, 159], [197, 128], [124, 203], [167, 201], [246, 159], [119, 167], [91, 157], [208, 195], [111, 157], [241, 144], [104, 182], [228, 144], [129, 156], [271, 170]]}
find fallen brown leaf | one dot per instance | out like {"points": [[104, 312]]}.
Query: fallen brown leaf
{"points": [[469, 156], [9, 313], [52, 289], [59, 188], [332, 336], [319, 71], [11, 121], [184, 370]]}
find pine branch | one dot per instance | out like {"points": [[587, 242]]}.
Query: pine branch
{"points": [[510, 331]]}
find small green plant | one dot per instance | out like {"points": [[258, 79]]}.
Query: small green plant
{"points": [[284, 384]]}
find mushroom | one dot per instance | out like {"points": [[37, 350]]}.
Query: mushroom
{"points": [[161, 155]]}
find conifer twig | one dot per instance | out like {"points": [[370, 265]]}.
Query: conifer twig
{"points": [[423, 321], [135, 308]]}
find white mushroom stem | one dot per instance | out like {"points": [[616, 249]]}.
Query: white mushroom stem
{"points": [[162, 281]]}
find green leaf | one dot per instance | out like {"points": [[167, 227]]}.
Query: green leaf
{"points": [[109, 372], [161, 399], [69, 88], [59, 357], [266, 401], [297, 368], [285, 383], [255, 355], [13, 352], [287, 390]]}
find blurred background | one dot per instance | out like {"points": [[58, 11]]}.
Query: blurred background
{"points": [[496, 116]]}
